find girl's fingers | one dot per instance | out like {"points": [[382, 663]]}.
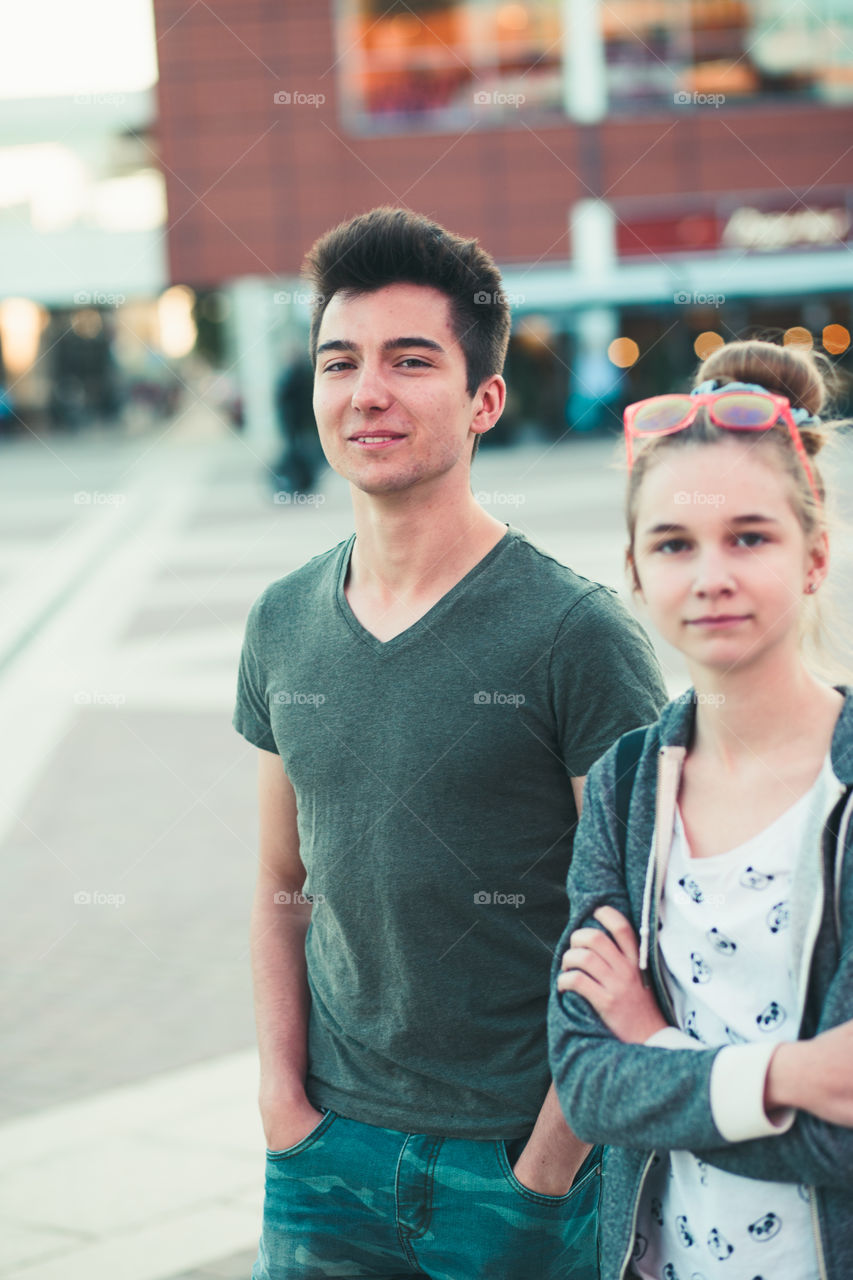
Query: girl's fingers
{"points": [[597, 941], [588, 962], [582, 985], [621, 930]]}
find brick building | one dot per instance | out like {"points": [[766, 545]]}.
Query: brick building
{"points": [[649, 170]]}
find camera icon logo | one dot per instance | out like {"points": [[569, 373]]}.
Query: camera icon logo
{"points": [[282, 97], [284, 698], [82, 898], [482, 98], [482, 898], [682, 98], [482, 298], [482, 698], [682, 298]]}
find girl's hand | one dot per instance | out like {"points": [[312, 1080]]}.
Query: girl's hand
{"points": [[814, 1075], [604, 969]]}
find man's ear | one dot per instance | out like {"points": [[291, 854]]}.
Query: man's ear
{"points": [[489, 401]]}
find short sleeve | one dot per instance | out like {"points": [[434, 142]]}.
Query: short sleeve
{"points": [[251, 714], [605, 678]]}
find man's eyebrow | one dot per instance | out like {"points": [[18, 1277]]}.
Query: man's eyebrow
{"points": [[393, 344]]}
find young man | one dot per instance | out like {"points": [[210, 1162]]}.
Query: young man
{"points": [[426, 699]]}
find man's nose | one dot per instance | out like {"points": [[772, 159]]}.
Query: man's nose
{"points": [[371, 391]]}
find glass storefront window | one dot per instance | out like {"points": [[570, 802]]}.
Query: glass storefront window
{"points": [[711, 52], [448, 64]]}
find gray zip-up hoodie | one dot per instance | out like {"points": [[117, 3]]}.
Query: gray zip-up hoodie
{"points": [[638, 1098]]}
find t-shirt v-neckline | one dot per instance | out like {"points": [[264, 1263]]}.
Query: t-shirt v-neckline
{"points": [[424, 622]]}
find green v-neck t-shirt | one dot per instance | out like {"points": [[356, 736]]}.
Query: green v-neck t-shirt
{"points": [[436, 818]]}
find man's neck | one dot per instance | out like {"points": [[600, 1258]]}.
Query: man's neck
{"points": [[415, 544]]}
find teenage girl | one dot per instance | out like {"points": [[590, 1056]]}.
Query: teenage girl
{"points": [[700, 1017]]}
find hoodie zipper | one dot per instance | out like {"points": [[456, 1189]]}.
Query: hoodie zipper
{"points": [[818, 1238], [627, 1259]]}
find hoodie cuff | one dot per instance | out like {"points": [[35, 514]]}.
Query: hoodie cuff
{"points": [[738, 1077], [672, 1038]]}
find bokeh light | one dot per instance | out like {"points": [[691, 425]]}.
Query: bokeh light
{"points": [[797, 336], [708, 342], [177, 326], [623, 352], [835, 339]]}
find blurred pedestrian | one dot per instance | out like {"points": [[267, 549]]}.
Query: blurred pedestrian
{"points": [[298, 464]]}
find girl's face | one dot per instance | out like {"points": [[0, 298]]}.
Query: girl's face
{"points": [[721, 558]]}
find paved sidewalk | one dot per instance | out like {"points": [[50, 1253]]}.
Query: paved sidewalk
{"points": [[138, 1182], [130, 1145]]}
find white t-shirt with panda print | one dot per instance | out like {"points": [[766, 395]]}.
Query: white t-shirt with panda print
{"points": [[727, 967]]}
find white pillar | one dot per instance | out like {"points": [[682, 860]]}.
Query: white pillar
{"points": [[584, 62], [253, 321], [592, 228]]}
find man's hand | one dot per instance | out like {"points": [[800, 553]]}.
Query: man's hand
{"points": [[553, 1154], [287, 1121], [604, 969]]}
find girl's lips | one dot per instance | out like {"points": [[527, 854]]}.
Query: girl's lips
{"points": [[715, 623]]}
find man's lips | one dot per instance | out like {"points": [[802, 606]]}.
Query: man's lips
{"points": [[375, 439]]}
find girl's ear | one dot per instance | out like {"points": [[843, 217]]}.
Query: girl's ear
{"points": [[631, 570], [818, 561]]}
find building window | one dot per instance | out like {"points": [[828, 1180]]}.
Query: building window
{"points": [[443, 64], [712, 52]]}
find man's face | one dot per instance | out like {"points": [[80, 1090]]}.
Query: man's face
{"points": [[390, 393]]}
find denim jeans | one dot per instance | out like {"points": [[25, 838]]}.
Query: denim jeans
{"points": [[352, 1199]]}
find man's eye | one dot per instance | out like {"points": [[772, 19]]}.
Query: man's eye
{"points": [[414, 362], [337, 365], [671, 546]]}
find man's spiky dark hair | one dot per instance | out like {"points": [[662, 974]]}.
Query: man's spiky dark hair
{"points": [[393, 246]]}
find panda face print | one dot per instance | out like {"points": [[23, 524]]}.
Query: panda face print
{"points": [[771, 1017], [700, 968], [691, 888], [765, 1228], [669, 1272], [752, 879], [683, 1231], [719, 1245], [721, 944], [690, 1025], [656, 1210], [779, 917], [703, 1171]]}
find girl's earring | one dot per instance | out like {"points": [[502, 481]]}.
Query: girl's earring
{"points": [[811, 587]]}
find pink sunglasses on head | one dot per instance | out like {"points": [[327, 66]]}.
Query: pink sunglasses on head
{"points": [[734, 410]]}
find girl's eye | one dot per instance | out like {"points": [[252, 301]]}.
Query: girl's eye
{"points": [[750, 539], [672, 546]]}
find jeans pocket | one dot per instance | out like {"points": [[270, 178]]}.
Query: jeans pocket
{"points": [[310, 1138], [590, 1168]]}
